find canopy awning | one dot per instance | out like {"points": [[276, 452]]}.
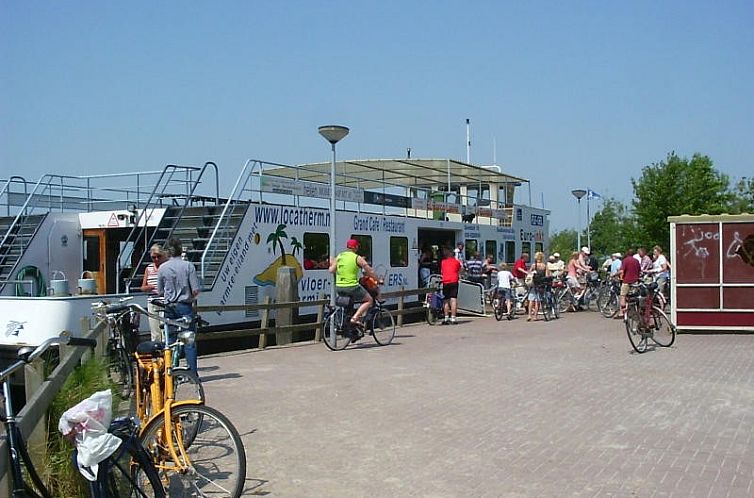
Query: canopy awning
{"points": [[376, 173]]}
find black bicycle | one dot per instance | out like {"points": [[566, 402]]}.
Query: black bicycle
{"points": [[378, 322], [136, 477], [121, 345]]}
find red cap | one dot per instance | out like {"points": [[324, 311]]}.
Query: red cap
{"points": [[352, 244]]}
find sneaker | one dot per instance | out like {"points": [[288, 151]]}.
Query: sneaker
{"points": [[453, 321], [445, 321]]}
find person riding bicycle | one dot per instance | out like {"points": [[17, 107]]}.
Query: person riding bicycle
{"points": [[346, 267]]}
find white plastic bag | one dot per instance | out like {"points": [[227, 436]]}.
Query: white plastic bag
{"points": [[87, 424]]}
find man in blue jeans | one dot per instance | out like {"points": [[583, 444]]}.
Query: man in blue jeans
{"points": [[178, 284]]}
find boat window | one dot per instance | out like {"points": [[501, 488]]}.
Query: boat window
{"points": [[510, 251], [91, 253], [316, 251], [471, 247], [539, 247], [365, 247], [526, 247], [490, 249], [398, 251]]}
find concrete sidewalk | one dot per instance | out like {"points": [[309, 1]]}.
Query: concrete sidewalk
{"points": [[495, 409]]}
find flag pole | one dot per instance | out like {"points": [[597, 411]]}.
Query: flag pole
{"points": [[588, 220]]}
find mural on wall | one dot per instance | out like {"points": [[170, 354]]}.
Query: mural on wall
{"points": [[743, 248], [268, 277]]}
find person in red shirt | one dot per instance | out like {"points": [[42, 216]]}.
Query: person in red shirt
{"points": [[450, 269], [520, 267], [630, 270]]}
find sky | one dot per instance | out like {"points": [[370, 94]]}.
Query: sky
{"points": [[578, 94]]}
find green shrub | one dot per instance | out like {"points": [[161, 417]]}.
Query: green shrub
{"points": [[63, 478]]}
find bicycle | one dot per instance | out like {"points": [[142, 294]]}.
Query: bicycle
{"points": [[187, 383], [124, 331], [608, 300], [499, 307], [194, 447], [378, 322], [547, 301], [645, 321], [433, 303], [137, 474]]}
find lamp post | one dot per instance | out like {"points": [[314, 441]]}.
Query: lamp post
{"points": [[578, 194], [333, 134]]}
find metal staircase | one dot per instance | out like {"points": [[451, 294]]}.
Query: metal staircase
{"points": [[194, 219], [17, 234]]}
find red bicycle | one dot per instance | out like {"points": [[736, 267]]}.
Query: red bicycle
{"points": [[645, 321]]}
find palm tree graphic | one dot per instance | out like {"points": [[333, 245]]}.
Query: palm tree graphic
{"points": [[296, 246], [277, 237]]}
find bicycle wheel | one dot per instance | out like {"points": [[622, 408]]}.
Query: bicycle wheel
{"points": [[186, 385], [216, 458], [635, 336], [119, 370], [498, 306], [431, 315], [342, 337], [565, 302], [610, 306], [663, 332], [129, 473], [590, 299], [383, 327]]}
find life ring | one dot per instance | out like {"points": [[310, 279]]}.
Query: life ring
{"points": [[36, 277]]}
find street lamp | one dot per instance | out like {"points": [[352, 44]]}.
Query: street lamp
{"points": [[333, 134], [578, 194]]}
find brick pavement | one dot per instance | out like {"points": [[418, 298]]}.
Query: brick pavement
{"points": [[495, 409]]}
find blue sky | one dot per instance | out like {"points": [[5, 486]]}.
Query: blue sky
{"points": [[574, 94]]}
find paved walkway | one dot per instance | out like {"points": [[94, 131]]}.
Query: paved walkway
{"points": [[495, 409]]}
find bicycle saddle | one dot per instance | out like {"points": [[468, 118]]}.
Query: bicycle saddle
{"points": [[150, 347]]}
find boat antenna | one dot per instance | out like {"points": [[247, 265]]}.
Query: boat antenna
{"points": [[468, 141], [408, 152], [494, 151]]}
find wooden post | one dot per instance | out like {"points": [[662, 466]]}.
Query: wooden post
{"points": [[36, 443], [400, 308], [265, 323], [320, 316]]}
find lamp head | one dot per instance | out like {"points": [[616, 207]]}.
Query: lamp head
{"points": [[333, 133], [578, 193]]}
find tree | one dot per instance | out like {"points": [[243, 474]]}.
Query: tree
{"points": [[613, 228], [277, 237], [563, 242], [742, 195], [673, 187]]}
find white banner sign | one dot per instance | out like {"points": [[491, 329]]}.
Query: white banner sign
{"points": [[309, 189]]}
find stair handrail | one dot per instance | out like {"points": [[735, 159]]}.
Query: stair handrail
{"points": [[147, 211], [222, 219], [23, 210], [192, 183], [6, 189]]}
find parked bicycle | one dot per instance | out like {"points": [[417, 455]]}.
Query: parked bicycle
{"points": [[121, 344], [195, 448], [644, 321], [608, 299], [433, 304], [548, 304], [137, 478], [377, 321]]}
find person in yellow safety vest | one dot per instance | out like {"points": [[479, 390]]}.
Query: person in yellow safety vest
{"points": [[346, 266]]}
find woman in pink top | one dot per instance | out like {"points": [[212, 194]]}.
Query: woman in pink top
{"points": [[149, 285]]}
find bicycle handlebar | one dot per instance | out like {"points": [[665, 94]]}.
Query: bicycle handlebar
{"points": [[113, 309], [27, 355]]}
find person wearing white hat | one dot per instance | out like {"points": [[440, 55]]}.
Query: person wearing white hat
{"points": [[559, 262], [615, 265]]}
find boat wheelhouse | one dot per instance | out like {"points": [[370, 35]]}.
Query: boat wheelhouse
{"points": [[94, 232]]}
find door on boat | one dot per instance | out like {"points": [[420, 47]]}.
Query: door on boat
{"points": [[102, 247]]}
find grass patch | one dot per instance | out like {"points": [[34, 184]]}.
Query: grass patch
{"points": [[63, 479]]}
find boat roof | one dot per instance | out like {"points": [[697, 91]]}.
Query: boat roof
{"points": [[417, 173]]}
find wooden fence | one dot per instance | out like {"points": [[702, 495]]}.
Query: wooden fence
{"points": [[264, 326]]}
